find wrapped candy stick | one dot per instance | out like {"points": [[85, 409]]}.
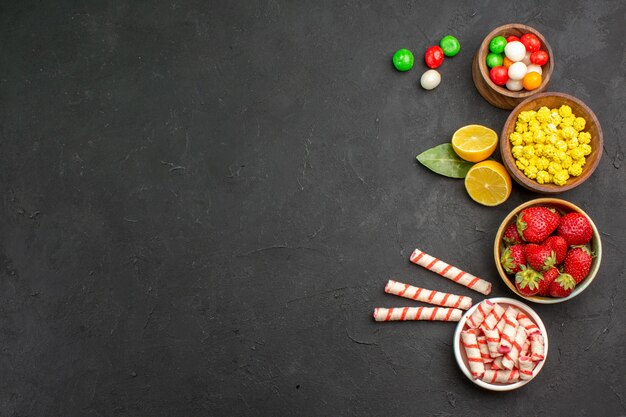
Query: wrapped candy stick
{"points": [[505, 376], [478, 316], [526, 366], [470, 343], [528, 324], [510, 358], [508, 332], [428, 296], [417, 313], [484, 350], [493, 341], [493, 317], [448, 271], [497, 363], [536, 347]]}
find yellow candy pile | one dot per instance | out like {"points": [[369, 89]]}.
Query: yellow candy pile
{"points": [[549, 145]]}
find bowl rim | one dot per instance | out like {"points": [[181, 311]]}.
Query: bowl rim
{"points": [[484, 71], [593, 272], [464, 368], [505, 145]]}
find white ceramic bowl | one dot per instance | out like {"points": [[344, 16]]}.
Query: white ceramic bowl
{"points": [[461, 357]]}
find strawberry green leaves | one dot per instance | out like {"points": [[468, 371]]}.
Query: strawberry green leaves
{"points": [[444, 161]]}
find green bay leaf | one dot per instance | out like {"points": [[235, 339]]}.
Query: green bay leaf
{"points": [[444, 161]]}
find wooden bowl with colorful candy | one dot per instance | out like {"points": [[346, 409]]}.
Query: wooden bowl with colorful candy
{"points": [[513, 62], [547, 250]]}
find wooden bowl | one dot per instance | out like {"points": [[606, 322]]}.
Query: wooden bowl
{"points": [[564, 207], [461, 356], [552, 100], [500, 96]]}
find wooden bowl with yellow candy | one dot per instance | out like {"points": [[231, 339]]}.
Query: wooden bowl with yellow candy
{"points": [[552, 101]]}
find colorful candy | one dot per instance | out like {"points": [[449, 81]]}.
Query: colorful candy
{"points": [[430, 79], [499, 75], [518, 57], [515, 51], [403, 60], [497, 44], [433, 57], [450, 45]]}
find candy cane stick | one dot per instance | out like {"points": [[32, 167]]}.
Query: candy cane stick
{"points": [[493, 340], [494, 317], [428, 296], [470, 343], [510, 328], [417, 313], [478, 316], [510, 358], [505, 376], [528, 324], [526, 366], [484, 350], [536, 347], [448, 271]]}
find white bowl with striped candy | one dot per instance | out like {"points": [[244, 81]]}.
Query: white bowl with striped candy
{"points": [[461, 357]]}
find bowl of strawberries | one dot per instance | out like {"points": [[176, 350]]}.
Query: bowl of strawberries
{"points": [[547, 250]]}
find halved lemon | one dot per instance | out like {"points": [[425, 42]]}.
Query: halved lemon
{"points": [[474, 143], [488, 183]]}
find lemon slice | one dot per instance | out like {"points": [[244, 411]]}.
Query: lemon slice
{"points": [[488, 183], [474, 143]]}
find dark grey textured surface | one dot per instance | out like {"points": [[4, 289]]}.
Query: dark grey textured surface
{"points": [[202, 202]]}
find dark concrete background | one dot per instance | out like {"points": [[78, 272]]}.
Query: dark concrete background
{"points": [[202, 202]]}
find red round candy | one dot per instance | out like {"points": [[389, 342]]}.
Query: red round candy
{"points": [[512, 38], [499, 75], [531, 42], [539, 58], [433, 56]]}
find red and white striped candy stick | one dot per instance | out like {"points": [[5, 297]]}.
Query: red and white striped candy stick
{"points": [[510, 358], [526, 366], [484, 350], [497, 363], [417, 313], [504, 377], [510, 328], [493, 341], [477, 367], [428, 296], [448, 271], [536, 347], [525, 348], [493, 317], [478, 316], [528, 324]]}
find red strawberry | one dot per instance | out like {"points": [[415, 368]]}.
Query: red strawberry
{"points": [[539, 257], [527, 281], [578, 263], [535, 224], [562, 286], [559, 246], [575, 229], [511, 235], [513, 258], [544, 284]]}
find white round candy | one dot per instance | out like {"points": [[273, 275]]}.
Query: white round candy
{"points": [[526, 59], [517, 70], [430, 79], [514, 85], [515, 51], [535, 68]]}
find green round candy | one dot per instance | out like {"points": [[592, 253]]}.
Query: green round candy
{"points": [[403, 59], [450, 45], [494, 60], [497, 44]]}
